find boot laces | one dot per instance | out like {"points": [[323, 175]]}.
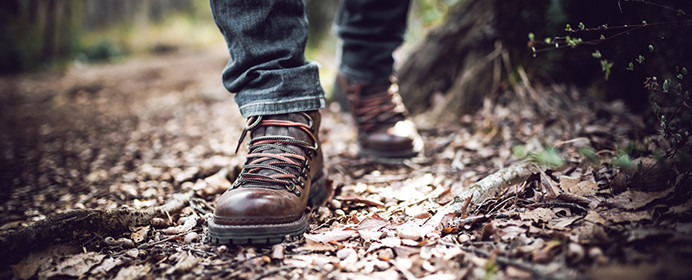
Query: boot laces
{"points": [[271, 161], [381, 105]]}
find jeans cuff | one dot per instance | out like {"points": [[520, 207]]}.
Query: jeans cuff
{"points": [[302, 104]]}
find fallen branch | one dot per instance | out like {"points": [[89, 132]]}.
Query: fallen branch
{"points": [[76, 224], [488, 187]]}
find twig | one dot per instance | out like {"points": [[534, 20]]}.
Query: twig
{"points": [[475, 219], [573, 206], [172, 237]]}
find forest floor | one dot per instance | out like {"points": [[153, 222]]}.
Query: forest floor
{"points": [[130, 135]]}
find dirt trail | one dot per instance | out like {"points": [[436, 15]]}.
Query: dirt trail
{"points": [[136, 132]]}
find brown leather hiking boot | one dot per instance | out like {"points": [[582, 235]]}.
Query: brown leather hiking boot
{"points": [[282, 175], [384, 129]]}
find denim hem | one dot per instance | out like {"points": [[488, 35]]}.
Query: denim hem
{"points": [[296, 105]]}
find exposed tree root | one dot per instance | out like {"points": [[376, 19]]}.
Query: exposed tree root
{"points": [[76, 224]]}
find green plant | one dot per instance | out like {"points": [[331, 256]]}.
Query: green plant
{"points": [[668, 90]]}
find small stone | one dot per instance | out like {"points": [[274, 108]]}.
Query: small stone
{"points": [[110, 241], [160, 222], [278, 252], [321, 261], [344, 253], [134, 252], [381, 265], [463, 238], [125, 242], [171, 231], [191, 237], [385, 255], [575, 252]]}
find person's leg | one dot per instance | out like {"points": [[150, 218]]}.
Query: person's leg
{"points": [[369, 32], [279, 92], [268, 71]]}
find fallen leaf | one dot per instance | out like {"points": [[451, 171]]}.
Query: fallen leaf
{"points": [[313, 246], [578, 187], [217, 183], [538, 215], [563, 222], [622, 216], [106, 266], [76, 265], [334, 235], [140, 234], [515, 273], [391, 242], [185, 263], [26, 268], [133, 272], [361, 200], [411, 231], [632, 199], [596, 218]]}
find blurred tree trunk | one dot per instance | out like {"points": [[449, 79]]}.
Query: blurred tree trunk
{"points": [[462, 45], [481, 50], [36, 32]]}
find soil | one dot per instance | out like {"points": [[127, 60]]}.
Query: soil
{"points": [[132, 134]]}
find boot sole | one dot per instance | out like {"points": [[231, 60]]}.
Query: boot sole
{"points": [[266, 234]]}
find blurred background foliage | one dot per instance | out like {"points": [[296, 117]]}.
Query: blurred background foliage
{"points": [[41, 34], [54, 34]]}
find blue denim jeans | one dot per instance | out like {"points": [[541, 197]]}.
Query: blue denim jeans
{"points": [[266, 40]]}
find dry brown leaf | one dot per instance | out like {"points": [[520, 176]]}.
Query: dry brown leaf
{"points": [[538, 215], [563, 222], [578, 187], [76, 265], [361, 200], [185, 263], [596, 218], [621, 216], [26, 268], [106, 266], [133, 272], [510, 232], [632, 199], [549, 186], [313, 246], [515, 273], [140, 234], [391, 242], [333, 235], [411, 231], [216, 183]]}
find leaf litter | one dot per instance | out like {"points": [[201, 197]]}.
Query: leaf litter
{"points": [[169, 131]]}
